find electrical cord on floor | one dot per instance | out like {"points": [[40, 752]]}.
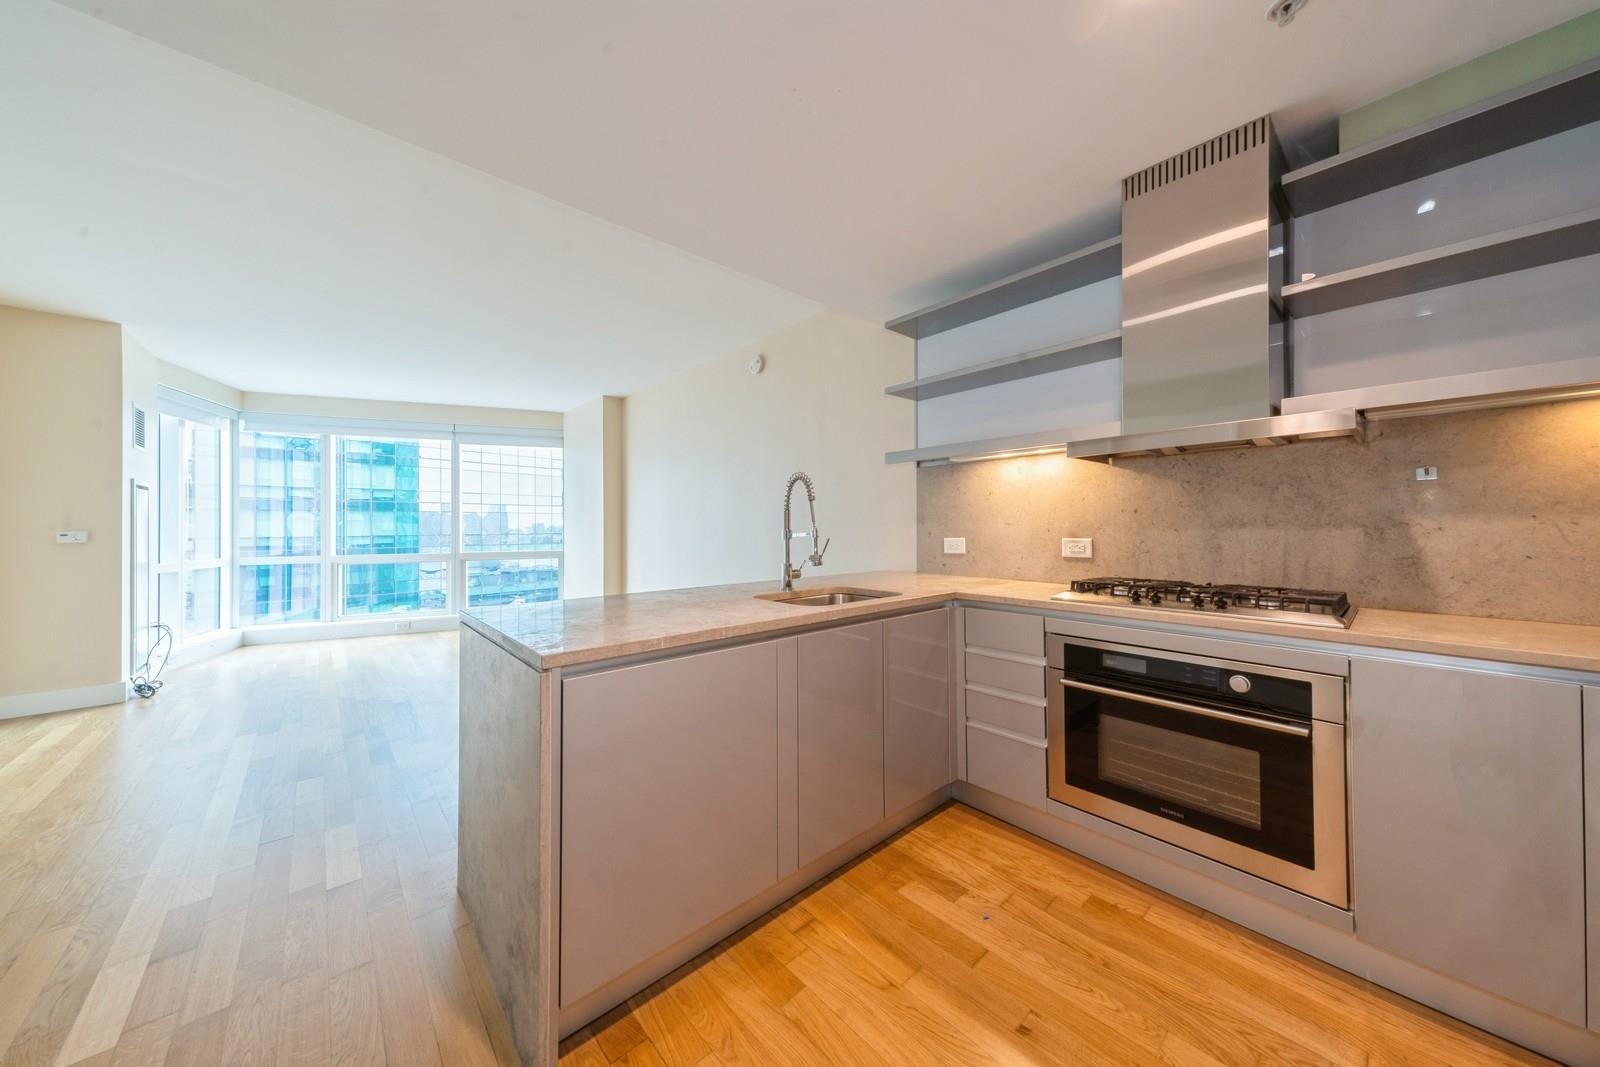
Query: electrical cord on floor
{"points": [[146, 680]]}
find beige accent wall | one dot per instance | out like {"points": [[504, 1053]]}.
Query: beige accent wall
{"points": [[593, 508], [1511, 529], [61, 426], [707, 455]]}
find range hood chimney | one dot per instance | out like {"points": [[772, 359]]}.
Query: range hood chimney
{"points": [[1205, 360]]}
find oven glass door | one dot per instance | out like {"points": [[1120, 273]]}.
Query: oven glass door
{"points": [[1238, 778]]}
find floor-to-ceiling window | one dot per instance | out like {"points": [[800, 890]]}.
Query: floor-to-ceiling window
{"points": [[511, 522], [393, 529], [382, 523], [280, 527], [193, 533]]}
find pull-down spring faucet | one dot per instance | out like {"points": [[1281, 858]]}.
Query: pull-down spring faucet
{"points": [[791, 572]]}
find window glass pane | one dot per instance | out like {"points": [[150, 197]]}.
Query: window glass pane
{"points": [[202, 601], [288, 592], [510, 498], [384, 588], [202, 492], [168, 611], [394, 496], [169, 493], [512, 581], [280, 496]]}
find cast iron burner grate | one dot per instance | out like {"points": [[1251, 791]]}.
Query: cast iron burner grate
{"points": [[1156, 592]]}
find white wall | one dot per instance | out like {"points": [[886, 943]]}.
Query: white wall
{"points": [[141, 373], [707, 455], [396, 411], [187, 381], [61, 426]]}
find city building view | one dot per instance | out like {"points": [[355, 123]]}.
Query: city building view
{"points": [[394, 524]]}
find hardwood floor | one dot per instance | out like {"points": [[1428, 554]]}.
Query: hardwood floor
{"points": [[255, 867], [964, 940], [258, 867]]}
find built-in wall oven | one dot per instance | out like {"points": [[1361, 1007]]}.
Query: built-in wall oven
{"points": [[1238, 762]]}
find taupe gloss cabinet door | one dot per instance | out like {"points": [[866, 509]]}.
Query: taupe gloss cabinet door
{"points": [[916, 711], [839, 718], [1591, 823], [1467, 808], [669, 805]]}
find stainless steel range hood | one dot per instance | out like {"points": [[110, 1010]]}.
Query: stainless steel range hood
{"points": [[1205, 360]]}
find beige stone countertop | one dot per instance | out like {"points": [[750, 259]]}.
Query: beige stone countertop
{"points": [[571, 632]]}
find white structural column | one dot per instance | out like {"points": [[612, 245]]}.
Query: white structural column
{"points": [[594, 499]]}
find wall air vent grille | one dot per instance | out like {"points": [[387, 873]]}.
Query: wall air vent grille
{"points": [[1208, 153], [138, 427]]}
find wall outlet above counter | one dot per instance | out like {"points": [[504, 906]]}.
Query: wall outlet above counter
{"points": [[1077, 548]]}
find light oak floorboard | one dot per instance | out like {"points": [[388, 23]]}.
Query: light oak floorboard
{"points": [[258, 867]]}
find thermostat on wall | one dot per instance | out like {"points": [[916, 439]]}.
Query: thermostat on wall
{"points": [[72, 537]]}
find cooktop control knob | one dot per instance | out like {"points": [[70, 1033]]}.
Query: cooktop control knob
{"points": [[1238, 683]]}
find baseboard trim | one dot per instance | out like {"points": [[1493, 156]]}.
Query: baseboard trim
{"points": [[22, 705], [293, 633], [204, 648]]}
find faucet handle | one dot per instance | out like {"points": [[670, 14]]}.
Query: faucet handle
{"points": [[816, 557]]}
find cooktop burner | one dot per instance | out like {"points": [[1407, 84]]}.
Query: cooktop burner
{"points": [[1313, 607]]}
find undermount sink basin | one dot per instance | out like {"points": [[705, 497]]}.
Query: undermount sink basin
{"points": [[818, 598]]}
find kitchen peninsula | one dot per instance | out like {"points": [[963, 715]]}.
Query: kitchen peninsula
{"points": [[642, 775]]}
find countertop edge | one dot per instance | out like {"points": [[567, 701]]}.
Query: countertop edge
{"points": [[782, 625], [500, 639]]}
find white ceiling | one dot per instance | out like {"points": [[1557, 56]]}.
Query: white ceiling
{"points": [[279, 248], [869, 155]]}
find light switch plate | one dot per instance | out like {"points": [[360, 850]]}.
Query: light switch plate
{"points": [[72, 537], [1077, 548], [955, 546], [1427, 474]]}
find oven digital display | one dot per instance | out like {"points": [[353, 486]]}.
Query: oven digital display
{"points": [[1126, 664]]}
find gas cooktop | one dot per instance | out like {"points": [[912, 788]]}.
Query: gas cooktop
{"points": [[1309, 607]]}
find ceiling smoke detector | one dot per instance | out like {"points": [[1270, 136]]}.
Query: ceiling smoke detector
{"points": [[1283, 11]]}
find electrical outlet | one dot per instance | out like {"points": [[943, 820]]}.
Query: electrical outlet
{"points": [[1077, 548], [403, 626], [955, 546], [1427, 474]]}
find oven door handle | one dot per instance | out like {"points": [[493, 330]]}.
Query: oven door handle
{"points": [[1192, 709]]}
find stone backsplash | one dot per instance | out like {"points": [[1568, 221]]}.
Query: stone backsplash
{"points": [[1511, 528]]}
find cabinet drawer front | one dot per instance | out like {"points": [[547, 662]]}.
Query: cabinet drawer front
{"points": [[1008, 766], [1024, 678], [669, 805], [1591, 824], [916, 708], [1467, 792], [1005, 712], [840, 737], [1008, 631]]}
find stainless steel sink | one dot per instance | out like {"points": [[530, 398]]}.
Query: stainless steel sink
{"points": [[818, 598]]}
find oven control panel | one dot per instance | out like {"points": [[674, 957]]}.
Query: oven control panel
{"points": [[1197, 680]]}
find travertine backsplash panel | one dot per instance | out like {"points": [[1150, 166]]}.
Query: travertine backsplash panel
{"points": [[1511, 529]]}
